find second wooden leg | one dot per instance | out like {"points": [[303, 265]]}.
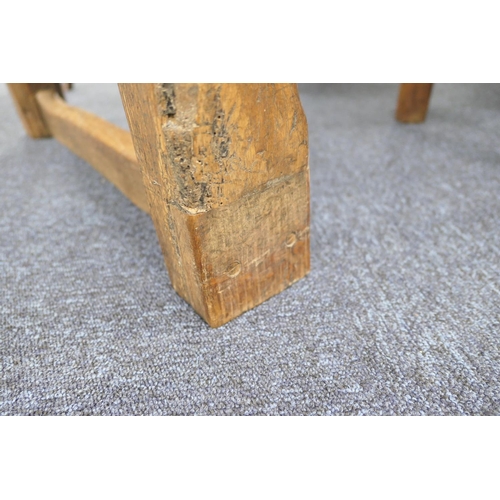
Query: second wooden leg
{"points": [[413, 102], [28, 109]]}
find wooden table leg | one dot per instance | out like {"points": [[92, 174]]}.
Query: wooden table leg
{"points": [[28, 109], [226, 171], [413, 102]]}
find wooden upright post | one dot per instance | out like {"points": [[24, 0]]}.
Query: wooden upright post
{"points": [[28, 109], [413, 102], [225, 168]]}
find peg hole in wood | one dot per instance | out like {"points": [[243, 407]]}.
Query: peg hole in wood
{"points": [[234, 269]]}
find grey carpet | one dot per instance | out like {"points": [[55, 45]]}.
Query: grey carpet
{"points": [[399, 316]]}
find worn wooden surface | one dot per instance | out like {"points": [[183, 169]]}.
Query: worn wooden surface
{"points": [[27, 107], [225, 167], [413, 102], [108, 148]]}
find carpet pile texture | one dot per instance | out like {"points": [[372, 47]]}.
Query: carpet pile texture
{"points": [[400, 314]]}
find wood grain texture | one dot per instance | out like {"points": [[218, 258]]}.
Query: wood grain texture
{"points": [[226, 170], [27, 107], [413, 102], [108, 148]]}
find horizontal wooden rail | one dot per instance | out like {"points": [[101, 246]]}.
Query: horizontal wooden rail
{"points": [[108, 148]]}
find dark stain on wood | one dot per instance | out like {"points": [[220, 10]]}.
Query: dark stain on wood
{"points": [[168, 94]]}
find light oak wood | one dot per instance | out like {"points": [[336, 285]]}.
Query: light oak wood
{"points": [[108, 148], [23, 95], [226, 171], [225, 177], [413, 102]]}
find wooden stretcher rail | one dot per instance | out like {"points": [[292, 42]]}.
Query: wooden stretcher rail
{"points": [[108, 148]]}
